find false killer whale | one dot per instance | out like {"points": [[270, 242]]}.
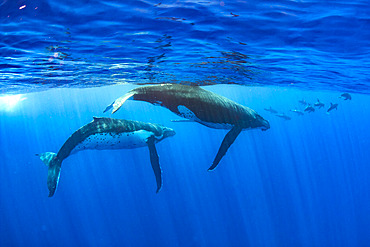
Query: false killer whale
{"points": [[319, 104], [300, 113], [199, 105], [108, 133], [284, 116], [309, 108], [273, 111], [346, 96]]}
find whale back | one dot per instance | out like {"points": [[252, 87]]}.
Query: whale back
{"points": [[200, 105], [109, 133]]}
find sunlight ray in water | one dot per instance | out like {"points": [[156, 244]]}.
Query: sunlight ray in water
{"points": [[8, 102]]}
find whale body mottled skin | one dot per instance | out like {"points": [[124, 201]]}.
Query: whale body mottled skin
{"points": [[199, 105], [105, 134]]}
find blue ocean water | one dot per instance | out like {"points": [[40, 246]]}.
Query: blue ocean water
{"points": [[304, 182]]}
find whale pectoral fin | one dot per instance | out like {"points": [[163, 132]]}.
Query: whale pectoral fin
{"points": [[154, 160], [119, 102], [226, 143], [182, 121]]}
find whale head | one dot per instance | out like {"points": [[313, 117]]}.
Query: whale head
{"points": [[254, 121], [166, 132], [263, 123]]}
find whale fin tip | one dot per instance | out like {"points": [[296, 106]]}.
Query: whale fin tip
{"points": [[119, 102]]}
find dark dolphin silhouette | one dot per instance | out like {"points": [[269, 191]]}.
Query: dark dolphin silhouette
{"points": [[332, 107], [297, 112], [309, 108], [303, 102], [346, 96], [271, 110], [282, 115], [319, 104]]}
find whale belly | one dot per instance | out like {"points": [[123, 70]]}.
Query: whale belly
{"points": [[107, 141], [185, 112]]}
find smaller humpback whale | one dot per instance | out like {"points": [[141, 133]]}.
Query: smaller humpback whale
{"points": [[199, 105], [104, 134], [300, 113], [309, 108], [332, 107], [273, 111], [346, 96], [286, 117], [303, 102], [319, 104]]}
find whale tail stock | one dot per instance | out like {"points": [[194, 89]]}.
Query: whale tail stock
{"points": [[119, 102], [54, 165]]}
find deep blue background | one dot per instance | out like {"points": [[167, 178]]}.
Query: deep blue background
{"points": [[304, 182]]}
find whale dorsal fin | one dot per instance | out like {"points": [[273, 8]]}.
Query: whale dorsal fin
{"points": [[96, 118]]}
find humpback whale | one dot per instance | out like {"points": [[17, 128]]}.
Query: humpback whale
{"points": [[108, 133], [199, 105]]}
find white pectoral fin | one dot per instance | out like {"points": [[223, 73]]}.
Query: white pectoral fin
{"points": [[119, 102], [182, 121]]}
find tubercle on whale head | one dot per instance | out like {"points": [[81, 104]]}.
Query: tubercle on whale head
{"points": [[263, 123], [266, 125], [168, 132]]}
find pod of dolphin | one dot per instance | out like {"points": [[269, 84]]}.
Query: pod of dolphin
{"points": [[309, 107], [190, 102]]}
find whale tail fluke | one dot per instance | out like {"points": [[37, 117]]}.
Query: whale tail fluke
{"points": [[54, 164], [119, 102]]}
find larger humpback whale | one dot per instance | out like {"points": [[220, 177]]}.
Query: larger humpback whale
{"points": [[108, 133], [199, 105]]}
